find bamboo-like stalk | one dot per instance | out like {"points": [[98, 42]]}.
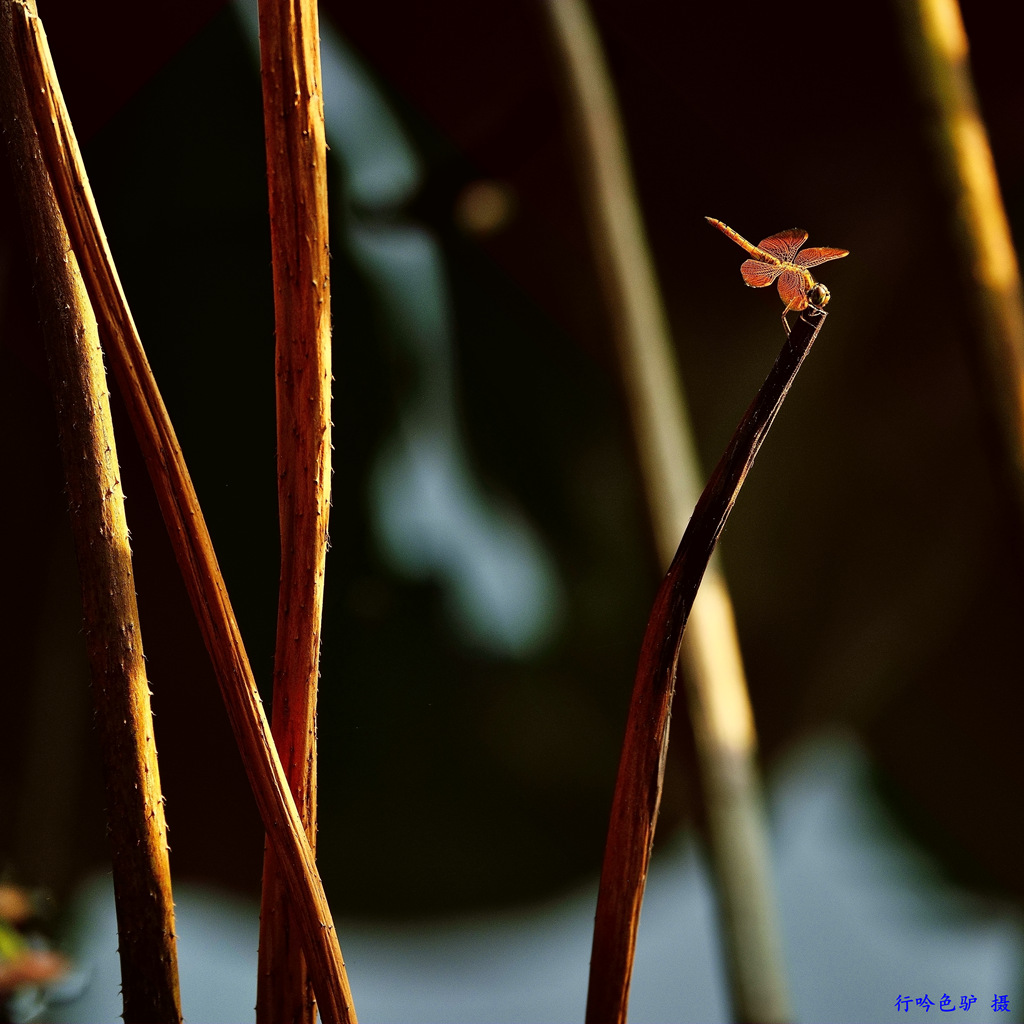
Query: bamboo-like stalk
{"points": [[187, 529], [297, 182], [135, 809], [937, 44], [712, 667]]}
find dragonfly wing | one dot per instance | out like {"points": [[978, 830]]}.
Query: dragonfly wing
{"points": [[812, 257], [758, 274], [793, 290], [784, 245]]}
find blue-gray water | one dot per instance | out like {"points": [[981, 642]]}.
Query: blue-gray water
{"points": [[867, 919]]}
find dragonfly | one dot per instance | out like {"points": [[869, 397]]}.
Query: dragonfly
{"points": [[776, 257]]}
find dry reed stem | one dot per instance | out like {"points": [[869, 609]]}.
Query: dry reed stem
{"points": [[135, 809], [712, 666], [641, 767], [935, 38], [186, 526], [297, 183]]}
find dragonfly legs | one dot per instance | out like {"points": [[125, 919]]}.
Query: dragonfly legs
{"points": [[785, 322], [821, 294]]}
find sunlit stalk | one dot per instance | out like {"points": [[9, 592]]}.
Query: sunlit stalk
{"points": [[124, 723], [297, 183], [938, 48], [186, 526]]}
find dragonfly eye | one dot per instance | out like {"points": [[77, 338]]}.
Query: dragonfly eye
{"points": [[818, 295]]}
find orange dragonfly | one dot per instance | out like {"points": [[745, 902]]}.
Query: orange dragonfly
{"points": [[777, 257]]}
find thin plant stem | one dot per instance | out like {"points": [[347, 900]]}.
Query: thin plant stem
{"points": [[124, 723], [937, 44], [712, 666], [185, 523], [641, 768], [297, 183]]}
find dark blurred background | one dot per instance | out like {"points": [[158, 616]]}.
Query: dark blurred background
{"points": [[874, 556]]}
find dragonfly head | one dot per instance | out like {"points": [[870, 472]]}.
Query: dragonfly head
{"points": [[818, 295]]}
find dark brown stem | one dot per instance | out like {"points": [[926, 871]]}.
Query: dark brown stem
{"points": [[138, 831], [711, 665], [297, 182], [186, 526], [641, 767]]}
